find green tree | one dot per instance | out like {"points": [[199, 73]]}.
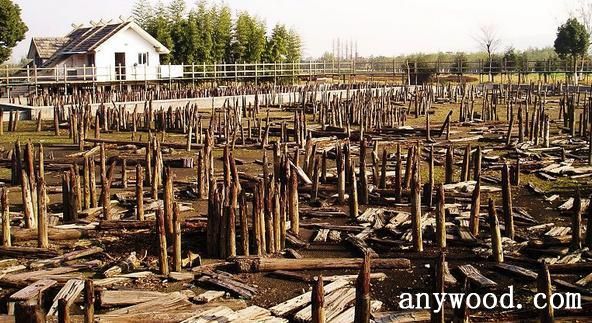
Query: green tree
{"points": [[205, 27], [12, 28], [142, 12], [294, 46], [249, 41], [222, 33], [572, 42], [176, 10], [178, 25], [277, 45], [159, 27]]}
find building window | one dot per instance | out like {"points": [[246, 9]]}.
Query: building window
{"points": [[142, 58]]}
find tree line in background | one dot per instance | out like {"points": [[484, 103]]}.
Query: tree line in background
{"points": [[210, 33]]}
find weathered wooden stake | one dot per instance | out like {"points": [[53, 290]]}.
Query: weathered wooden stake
{"points": [[398, 170], [89, 301], [42, 237], [439, 284], [576, 222], [547, 314], [475, 209], [163, 262], [496, 236], [5, 219], [353, 193], [362, 306], [449, 165], [507, 200], [139, 192], [416, 217], [440, 219], [63, 311], [177, 258], [293, 203], [318, 300]]}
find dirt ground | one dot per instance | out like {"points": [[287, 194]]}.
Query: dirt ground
{"points": [[272, 290]]}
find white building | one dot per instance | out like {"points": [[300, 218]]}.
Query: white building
{"points": [[107, 52]]}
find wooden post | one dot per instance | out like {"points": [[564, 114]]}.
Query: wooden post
{"points": [[439, 285], [398, 170], [477, 163], [232, 209], [475, 209], [362, 306], [177, 259], [353, 193], [324, 167], [89, 301], [496, 237], [56, 121], [63, 311], [363, 176], [168, 201], [449, 165], [409, 167], [416, 217], [441, 219], [28, 313], [429, 188], [293, 203], [318, 300], [124, 172], [139, 192], [589, 227], [315, 180], [576, 222], [42, 237], [244, 225], [86, 183], [547, 314], [106, 194], [5, 219], [383, 170], [28, 213], [163, 262], [258, 223], [507, 199], [510, 128], [340, 179], [464, 175], [93, 184]]}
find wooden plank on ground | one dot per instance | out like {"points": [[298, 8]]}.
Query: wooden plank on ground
{"points": [[476, 277]]}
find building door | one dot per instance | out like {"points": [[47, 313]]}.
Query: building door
{"points": [[120, 66]]}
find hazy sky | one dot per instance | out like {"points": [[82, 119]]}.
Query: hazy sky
{"points": [[381, 27]]}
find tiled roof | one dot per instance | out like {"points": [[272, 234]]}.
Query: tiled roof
{"points": [[83, 40], [47, 46]]}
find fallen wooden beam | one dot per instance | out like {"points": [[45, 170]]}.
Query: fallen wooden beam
{"points": [[27, 252], [258, 264], [472, 274], [53, 234], [300, 301], [119, 298], [76, 254]]}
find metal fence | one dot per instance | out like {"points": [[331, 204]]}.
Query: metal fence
{"points": [[32, 75]]}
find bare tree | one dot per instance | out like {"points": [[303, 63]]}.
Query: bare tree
{"points": [[489, 41], [584, 14]]}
